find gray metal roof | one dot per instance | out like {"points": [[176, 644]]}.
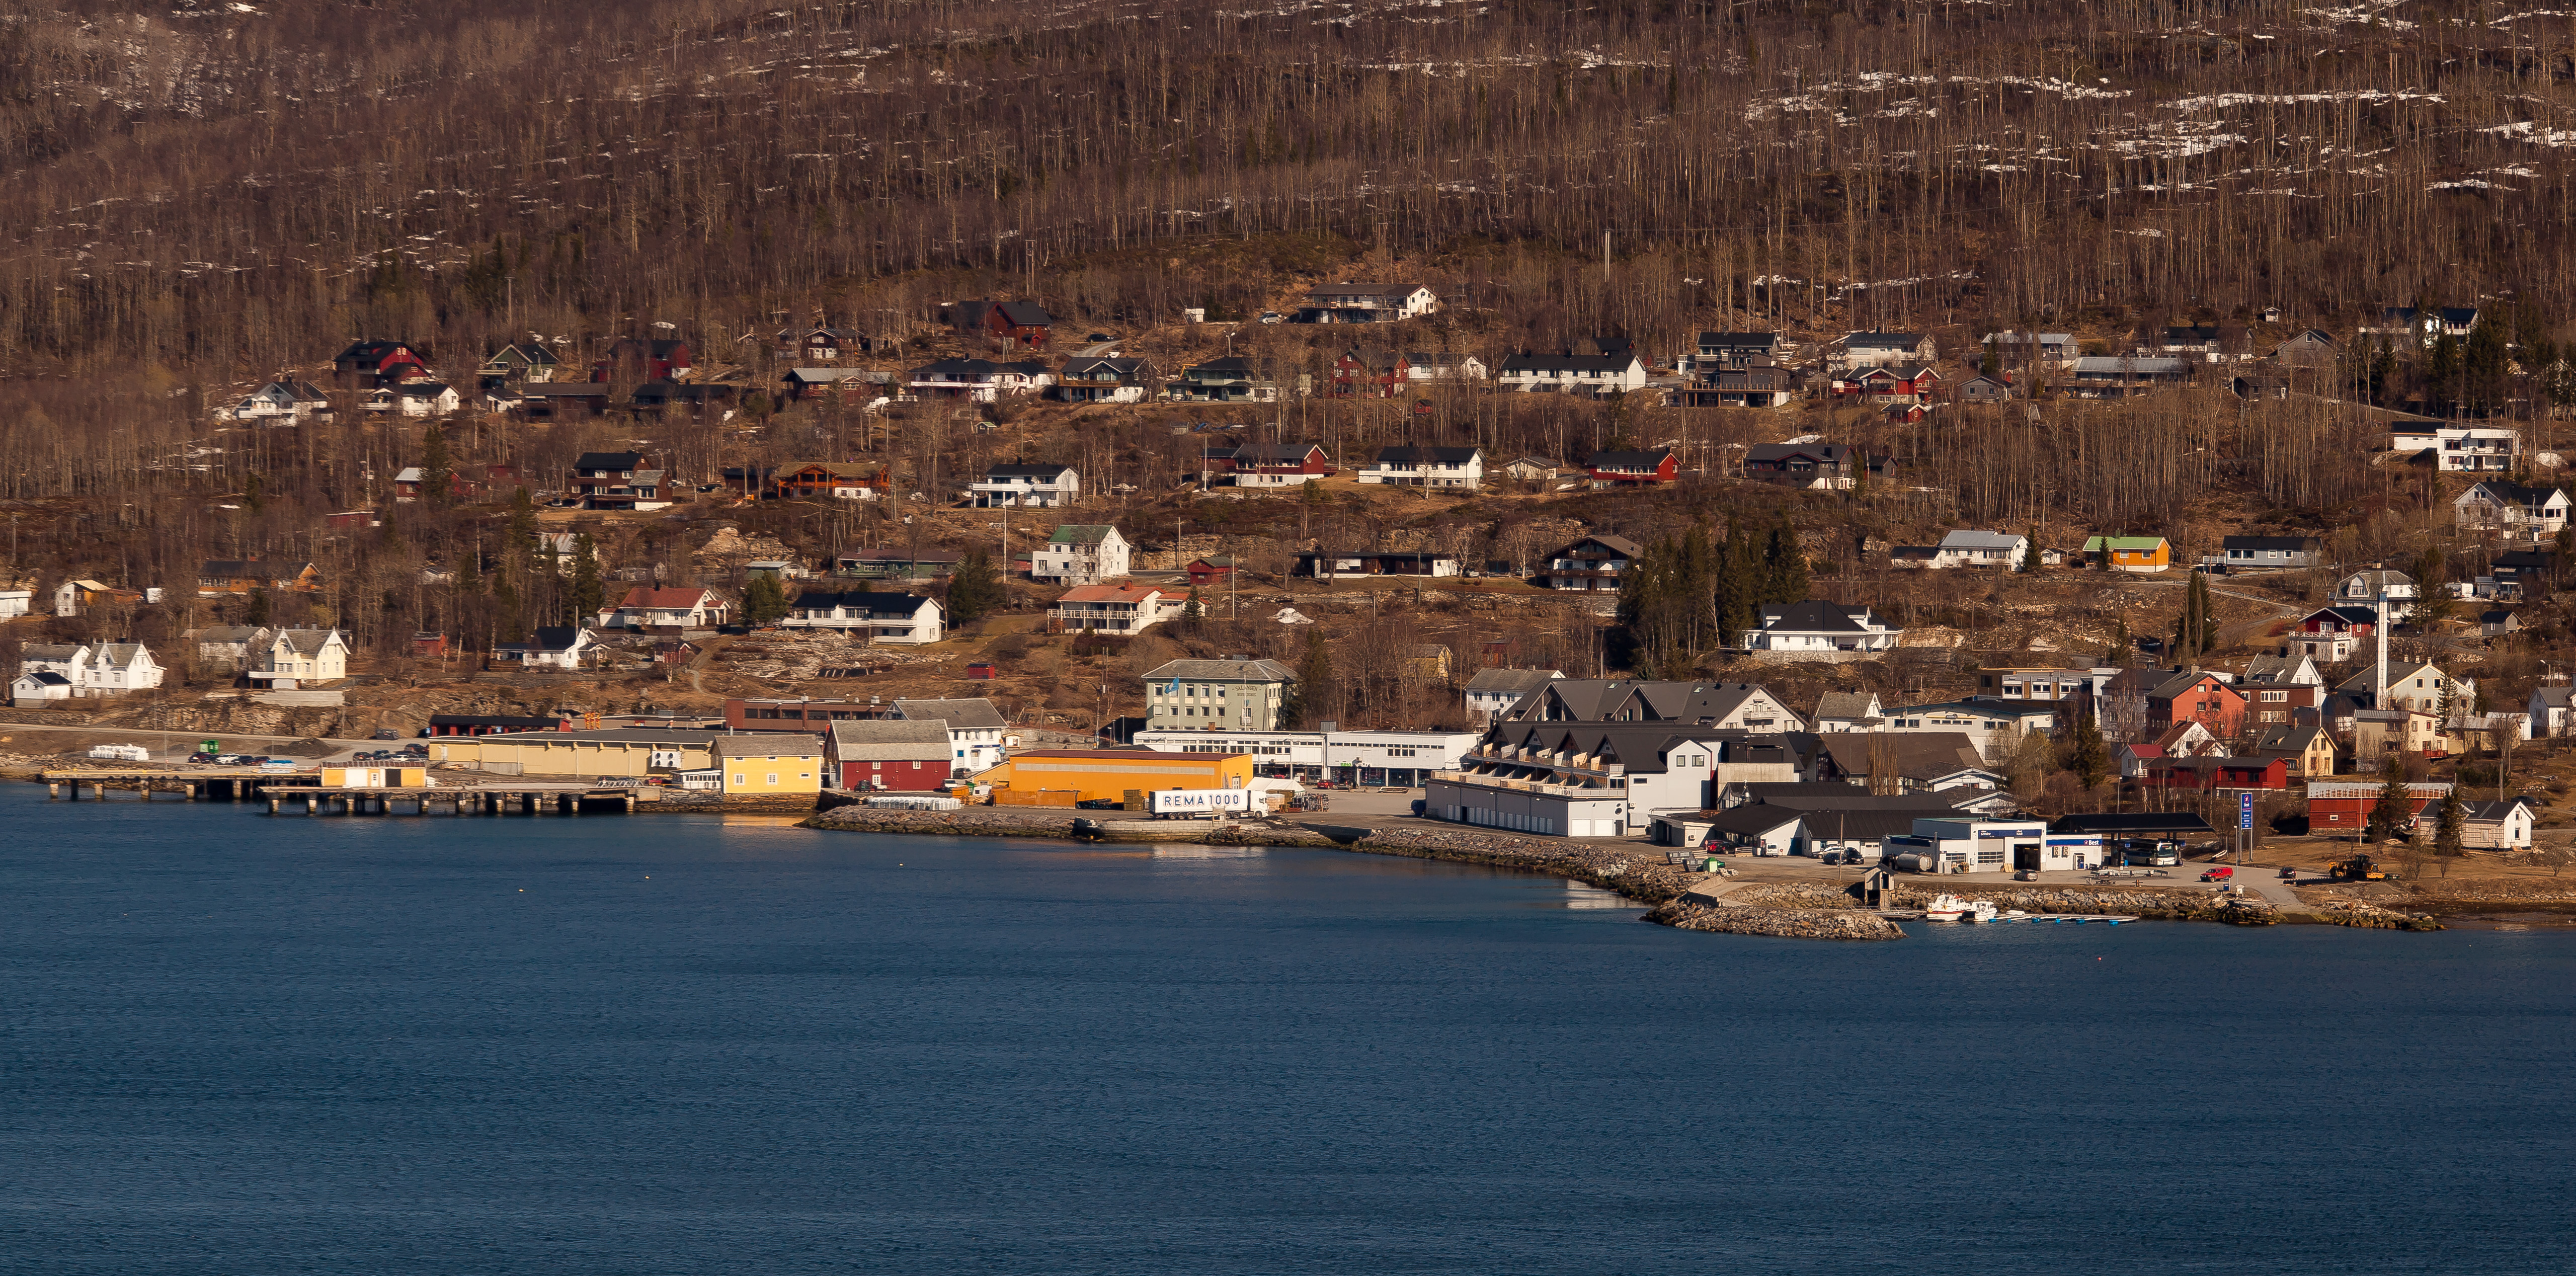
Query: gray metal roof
{"points": [[889, 739], [967, 714], [1222, 671]]}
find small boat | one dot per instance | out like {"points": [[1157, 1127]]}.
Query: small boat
{"points": [[1979, 910], [1951, 908]]}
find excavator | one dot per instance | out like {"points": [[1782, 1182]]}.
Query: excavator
{"points": [[2360, 868]]}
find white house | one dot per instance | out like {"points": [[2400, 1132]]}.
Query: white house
{"points": [[2368, 585], [2550, 706], [1043, 486], [550, 647], [284, 659], [2498, 505], [651, 607], [284, 401], [1111, 609], [1450, 467], [1492, 691], [1880, 350], [977, 380], [2420, 688], [412, 398], [2460, 448], [1819, 631], [1849, 711], [85, 670], [1589, 374], [1081, 554], [975, 730], [33, 688], [893, 619], [1982, 549], [2495, 826], [1366, 303], [16, 602]]}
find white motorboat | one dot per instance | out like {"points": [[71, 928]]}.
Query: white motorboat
{"points": [[1951, 908]]}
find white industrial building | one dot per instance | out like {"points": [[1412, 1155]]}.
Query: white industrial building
{"points": [[1394, 759]]}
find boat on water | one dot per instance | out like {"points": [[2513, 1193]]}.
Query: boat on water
{"points": [[1951, 908]]}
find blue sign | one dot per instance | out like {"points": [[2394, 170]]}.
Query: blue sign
{"points": [[2244, 810]]}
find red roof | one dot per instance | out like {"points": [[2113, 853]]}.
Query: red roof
{"points": [[1108, 594]]}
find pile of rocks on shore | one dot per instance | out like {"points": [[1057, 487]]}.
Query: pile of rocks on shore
{"points": [[1780, 923], [2372, 917]]}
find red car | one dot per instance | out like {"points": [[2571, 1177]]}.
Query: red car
{"points": [[2218, 874]]}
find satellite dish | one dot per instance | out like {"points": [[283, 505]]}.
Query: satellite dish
{"points": [[659, 324]]}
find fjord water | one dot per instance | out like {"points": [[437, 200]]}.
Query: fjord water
{"points": [[239, 1043]]}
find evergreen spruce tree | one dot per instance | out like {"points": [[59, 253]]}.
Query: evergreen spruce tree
{"points": [[589, 593], [1314, 678], [2450, 823], [1738, 596], [2395, 807], [437, 472], [975, 590], [1784, 565], [764, 601], [2089, 758]]}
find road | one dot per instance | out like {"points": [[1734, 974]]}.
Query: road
{"points": [[2231, 635], [185, 742], [1098, 350]]}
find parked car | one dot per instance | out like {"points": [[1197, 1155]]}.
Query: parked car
{"points": [[414, 751], [1100, 804], [203, 756], [2218, 874]]}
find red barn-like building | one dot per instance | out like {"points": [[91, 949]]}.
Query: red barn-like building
{"points": [[889, 754], [1634, 469], [2342, 808]]}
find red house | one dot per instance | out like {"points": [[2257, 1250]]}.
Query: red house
{"points": [[429, 646], [1370, 372], [1211, 570], [2343, 806], [2194, 696], [638, 359], [1022, 323], [1634, 469], [888, 754], [369, 364], [1269, 464], [2329, 634], [2209, 774], [1905, 383]]}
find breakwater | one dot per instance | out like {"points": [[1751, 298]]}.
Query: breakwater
{"points": [[1793, 910]]}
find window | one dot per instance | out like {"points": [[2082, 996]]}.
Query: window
{"points": [[773, 777], [738, 779]]}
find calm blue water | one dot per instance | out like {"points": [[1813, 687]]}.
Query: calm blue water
{"points": [[241, 1044]]}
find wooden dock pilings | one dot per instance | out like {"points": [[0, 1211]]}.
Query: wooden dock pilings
{"points": [[287, 792]]}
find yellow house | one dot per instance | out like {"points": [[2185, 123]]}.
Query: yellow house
{"points": [[589, 755], [770, 762], [1062, 777], [2130, 553]]}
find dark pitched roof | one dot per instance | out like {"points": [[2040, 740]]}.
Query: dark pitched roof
{"points": [[1020, 470], [609, 461], [1831, 453], [1436, 455], [1025, 314], [1813, 616], [2133, 824], [1640, 461]]}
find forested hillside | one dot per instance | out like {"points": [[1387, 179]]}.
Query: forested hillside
{"points": [[219, 189]]}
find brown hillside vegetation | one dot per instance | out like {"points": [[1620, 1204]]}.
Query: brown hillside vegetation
{"points": [[218, 189]]}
